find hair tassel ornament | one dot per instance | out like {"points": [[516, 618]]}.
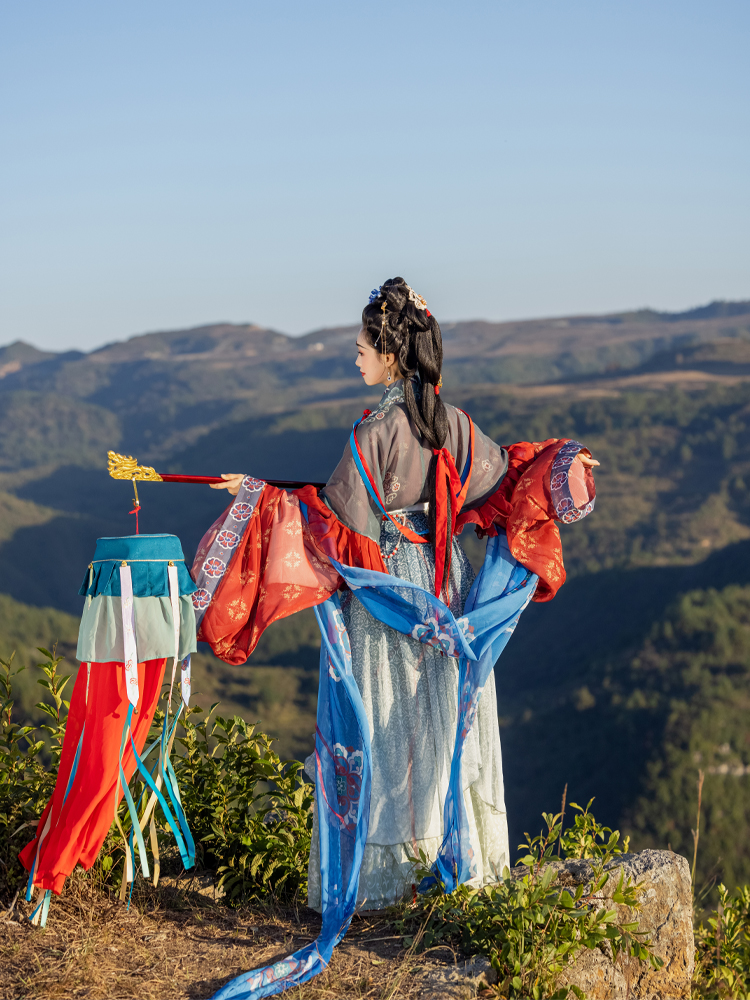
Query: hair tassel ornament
{"points": [[437, 387], [382, 338]]}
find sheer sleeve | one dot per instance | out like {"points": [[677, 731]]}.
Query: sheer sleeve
{"points": [[488, 471], [345, 492]]}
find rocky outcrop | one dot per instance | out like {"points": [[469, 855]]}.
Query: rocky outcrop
{"points": [[666, 915]]}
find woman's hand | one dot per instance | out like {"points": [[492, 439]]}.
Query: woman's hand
{"points": [[586, 460], [233, 482]]}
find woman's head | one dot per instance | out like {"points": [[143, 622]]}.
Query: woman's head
{"points": [[397, 322], [400, 335], [374, 367]]}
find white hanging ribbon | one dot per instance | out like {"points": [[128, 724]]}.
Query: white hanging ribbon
{"points": [[130, 658], [174, 600], [130, 653], [185, 681]]}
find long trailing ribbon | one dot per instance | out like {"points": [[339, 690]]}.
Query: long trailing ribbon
{"points": [[130, 653], [166, 775], [174, 600], [129, 798], [342, 746], [447, 477]]}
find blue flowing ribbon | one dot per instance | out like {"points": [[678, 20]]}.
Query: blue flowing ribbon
{"points": [[496, 600]]}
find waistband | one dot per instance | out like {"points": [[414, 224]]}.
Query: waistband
{"points": [[416, 508]]}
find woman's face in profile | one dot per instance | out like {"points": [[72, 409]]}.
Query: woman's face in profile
{"points": [[372, 365]]}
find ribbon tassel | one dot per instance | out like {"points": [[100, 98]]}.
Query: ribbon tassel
{"points": [[450, 494]]}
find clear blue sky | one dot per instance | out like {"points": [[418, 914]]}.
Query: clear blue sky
{"points": [[168, 163]]}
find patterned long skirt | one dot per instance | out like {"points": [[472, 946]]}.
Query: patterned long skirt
{"points": [[410, 695]]}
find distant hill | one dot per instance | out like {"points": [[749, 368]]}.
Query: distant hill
{"points": [[719, 309], [614, 687], [163, 390]]}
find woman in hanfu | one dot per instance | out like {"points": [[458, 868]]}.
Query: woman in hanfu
{"points": [[376, 552]]}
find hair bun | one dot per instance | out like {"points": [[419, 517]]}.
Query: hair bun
{"points": [[396, 293]]}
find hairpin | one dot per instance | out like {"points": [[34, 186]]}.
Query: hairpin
{"points": [[418, 301]]}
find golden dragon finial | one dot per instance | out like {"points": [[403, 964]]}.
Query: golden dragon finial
{"points": [[127, 467]]}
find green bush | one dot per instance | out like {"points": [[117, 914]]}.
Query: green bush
{"points": [[529, 926], [26, 779], [250, 812], [722, 948]]}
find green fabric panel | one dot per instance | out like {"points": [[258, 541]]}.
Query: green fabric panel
{"points": [[100, 632]]}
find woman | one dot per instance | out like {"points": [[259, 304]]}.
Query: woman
{"points": [[415, 471]]}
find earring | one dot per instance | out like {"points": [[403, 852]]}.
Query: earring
{"points": [[389, 375]]}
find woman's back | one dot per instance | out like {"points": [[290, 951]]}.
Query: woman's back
{"points": [[398, 457]]}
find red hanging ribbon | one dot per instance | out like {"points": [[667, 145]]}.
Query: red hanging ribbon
{"points": [[135, 511], [446, 475]]}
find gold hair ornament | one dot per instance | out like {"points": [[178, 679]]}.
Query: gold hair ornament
{"points": [[382, 337]]}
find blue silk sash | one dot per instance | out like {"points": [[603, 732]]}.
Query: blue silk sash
{"points": [[498, 595]]}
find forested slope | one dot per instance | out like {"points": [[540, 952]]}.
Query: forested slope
{"points": [[630, 680]]}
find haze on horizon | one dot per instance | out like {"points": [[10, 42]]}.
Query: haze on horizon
{"points": [[175, 164]]}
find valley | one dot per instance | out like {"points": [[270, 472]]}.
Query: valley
{"points": [[633, 677]]}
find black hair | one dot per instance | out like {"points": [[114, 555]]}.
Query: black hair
{"points": [[393, 324]]}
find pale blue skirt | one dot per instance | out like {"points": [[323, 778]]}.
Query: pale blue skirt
{"points": [[410, 694]]}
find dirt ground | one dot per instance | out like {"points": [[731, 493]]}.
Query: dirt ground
{"points": [[176, 943]]}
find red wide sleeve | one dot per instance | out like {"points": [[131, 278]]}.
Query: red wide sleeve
{"points": [[523, 505], [281, 565]]}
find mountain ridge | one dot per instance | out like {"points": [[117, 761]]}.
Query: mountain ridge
{"points": [[590, 682], [166, 389], [205, 335]]}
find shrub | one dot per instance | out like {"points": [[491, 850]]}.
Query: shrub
{"points": [[249, 811], [722, 947], [26, 780], [529, 927]]}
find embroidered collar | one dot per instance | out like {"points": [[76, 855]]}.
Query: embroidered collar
{"points": [[393, 394]]}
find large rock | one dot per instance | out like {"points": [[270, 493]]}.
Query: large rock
{"points": [[666, 915]]}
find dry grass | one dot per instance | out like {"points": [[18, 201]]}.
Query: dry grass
{"points": [[174, 943]]}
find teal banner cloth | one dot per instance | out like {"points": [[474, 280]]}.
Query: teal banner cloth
{"points": [[148, 557]]}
